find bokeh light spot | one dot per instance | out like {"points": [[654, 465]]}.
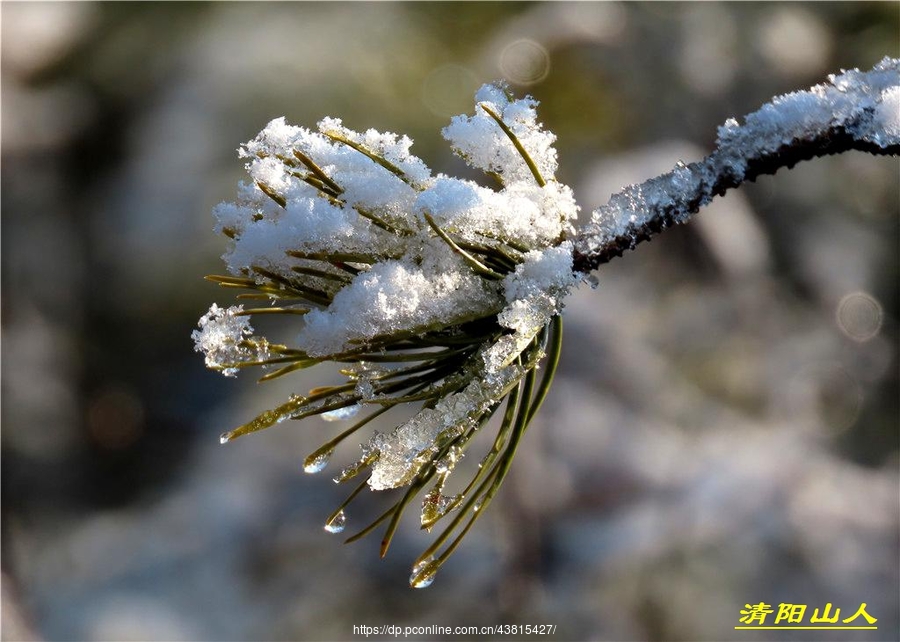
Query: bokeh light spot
{"points": [[524, 62], [859, 316]]}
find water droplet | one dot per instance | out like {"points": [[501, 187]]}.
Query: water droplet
{"points": [[435, 505], [336, 522], [317, 461], [430, 508], [592, 281], [225, 437], [423, 573], [423, 581]]}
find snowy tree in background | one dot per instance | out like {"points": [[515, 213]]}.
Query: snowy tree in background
{"points": [[435, 290]]}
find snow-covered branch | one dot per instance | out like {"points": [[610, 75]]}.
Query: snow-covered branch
{"points": [[854, 111], [434, 290]]}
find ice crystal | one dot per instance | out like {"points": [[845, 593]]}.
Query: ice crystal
{"points": [[401, 454], [223, 339]]}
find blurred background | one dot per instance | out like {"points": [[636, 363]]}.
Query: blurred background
{"points": [[724, 429]]}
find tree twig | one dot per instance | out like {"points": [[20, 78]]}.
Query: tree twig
{"points": [[854, 111]]}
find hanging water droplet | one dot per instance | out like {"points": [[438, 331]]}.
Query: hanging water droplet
{"points": [[431, 508], [435, 505], [421, 564], [336, 522], [317, 461], [423, 573], [225, 437], [592, 281]]}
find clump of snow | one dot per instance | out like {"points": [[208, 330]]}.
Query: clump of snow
{"points": [[485, 146], [403, 451], [222, 338], [887, 113], [373, 204], [546, 271], [318, 201], [397, 296], [534, 295], [522, 211], [393, 148], [308, 220], [309, 224], [848, 101]]}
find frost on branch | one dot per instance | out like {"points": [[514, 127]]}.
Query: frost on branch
{"points": [[427, 289], [854, 110]]}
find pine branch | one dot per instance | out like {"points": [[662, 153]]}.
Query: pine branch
{"points": [[434, 291], [854, 111]]}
